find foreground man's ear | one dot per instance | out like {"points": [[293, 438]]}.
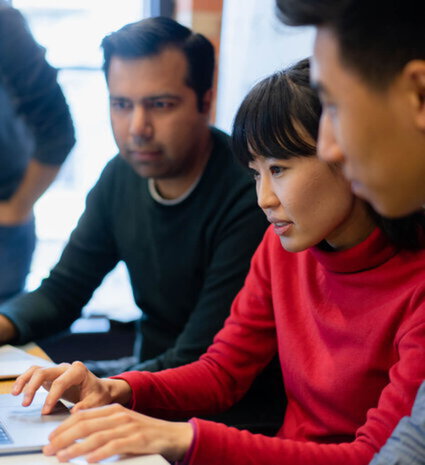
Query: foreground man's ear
{"points": [[413, 75], [207, 101]]}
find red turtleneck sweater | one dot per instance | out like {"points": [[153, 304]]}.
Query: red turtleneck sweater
{"points": [[349, 327]]}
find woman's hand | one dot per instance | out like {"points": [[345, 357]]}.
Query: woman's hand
{"points": [[71, 382], [106, 431]]}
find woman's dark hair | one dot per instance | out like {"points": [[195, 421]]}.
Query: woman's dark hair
{"points": [[151, 36], [279, 118]]}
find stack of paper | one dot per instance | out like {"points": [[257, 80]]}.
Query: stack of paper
{"points": [[14, 362]]}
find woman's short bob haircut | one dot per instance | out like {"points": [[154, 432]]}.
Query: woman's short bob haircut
{"points": [[279, 118]]}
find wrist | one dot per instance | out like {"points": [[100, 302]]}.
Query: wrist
{"points": [[181, 441], [119, 391]]}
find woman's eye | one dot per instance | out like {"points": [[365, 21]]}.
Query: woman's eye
{"points": [[277, 169]]}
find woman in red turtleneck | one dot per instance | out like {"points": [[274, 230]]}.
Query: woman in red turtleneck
{"points": [[335, 290]]}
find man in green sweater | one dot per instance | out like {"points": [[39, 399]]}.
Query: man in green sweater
{"points": [[174, 205]]}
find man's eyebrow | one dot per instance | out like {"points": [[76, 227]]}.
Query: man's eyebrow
{"points": [[118, 98], [149, 97], [162, 96]]}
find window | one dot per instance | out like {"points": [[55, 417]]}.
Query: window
{"points": [[71, 32]]}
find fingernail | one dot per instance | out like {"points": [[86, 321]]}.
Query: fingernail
{"points": [[48, 450], [46, 408], [62, 456]]}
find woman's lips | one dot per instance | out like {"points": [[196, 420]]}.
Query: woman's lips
{"points": [[280, 228]]}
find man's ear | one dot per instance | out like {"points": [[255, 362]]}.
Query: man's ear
{"points": [[414, 76], [207, 101]]}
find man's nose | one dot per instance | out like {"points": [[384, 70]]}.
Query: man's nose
{"points": [[141, 124], [328, 148]]}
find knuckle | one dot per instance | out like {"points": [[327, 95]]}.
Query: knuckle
{"points": [[85, 430], [118, 443], [79, 415], [116, 408], [102, 437], [58, 382], [79, 365], [64, 365]]}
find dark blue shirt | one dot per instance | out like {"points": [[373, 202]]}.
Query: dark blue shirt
{"points": [[34, 117], [406, 446]]}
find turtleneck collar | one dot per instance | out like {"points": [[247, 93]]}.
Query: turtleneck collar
{"points": [[372, 252]]}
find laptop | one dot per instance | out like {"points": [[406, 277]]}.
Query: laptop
{"points": [[25, 429]]}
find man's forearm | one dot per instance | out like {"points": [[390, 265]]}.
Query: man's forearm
{"points": [[7, 330]]}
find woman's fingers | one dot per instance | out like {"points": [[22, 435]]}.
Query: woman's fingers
{"points": [[76, 423], [68, 381], [97, 426], [105, 431], [34, 378], [22, 380], [67, 385]]}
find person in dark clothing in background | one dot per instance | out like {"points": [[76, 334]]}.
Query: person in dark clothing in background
{"points": [[36, 135], [174, 205]]}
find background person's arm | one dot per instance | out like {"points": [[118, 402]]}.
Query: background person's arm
{"points": [[37, 98], [18, 208], [406, 446]]}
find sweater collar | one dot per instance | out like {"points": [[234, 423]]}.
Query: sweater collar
{"points": [[372, 252]]}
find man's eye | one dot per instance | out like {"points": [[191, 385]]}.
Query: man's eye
{"points": [[161, 104], [120, 104]]}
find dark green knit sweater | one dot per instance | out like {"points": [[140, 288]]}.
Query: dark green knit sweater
{"points": [[186, 262]]}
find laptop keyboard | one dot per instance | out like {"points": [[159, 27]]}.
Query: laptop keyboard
{"points": [[4, 437]]}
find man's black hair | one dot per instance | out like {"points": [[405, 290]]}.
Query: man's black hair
{"points": [[279, 118], [376, 38], [150, 36]]}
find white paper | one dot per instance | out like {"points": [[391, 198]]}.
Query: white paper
{"points": [[14, 362]]}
